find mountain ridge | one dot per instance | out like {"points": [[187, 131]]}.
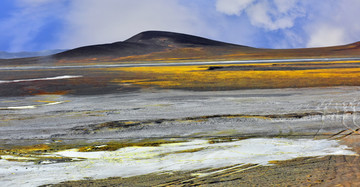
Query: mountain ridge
{"points": [[164, 46], [25, 54], [143, 43], [172, 38]]}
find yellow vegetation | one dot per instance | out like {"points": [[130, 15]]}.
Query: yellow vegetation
{"points": [[38, 149], [26, 149], [199, 78]]}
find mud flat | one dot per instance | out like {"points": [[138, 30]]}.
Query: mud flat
{"points": [[279, 136]]}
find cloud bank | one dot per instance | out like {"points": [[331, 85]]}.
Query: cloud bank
{"points": [[271, 15], [94, 21], [48, 24], [300, 23], [333, 23]]}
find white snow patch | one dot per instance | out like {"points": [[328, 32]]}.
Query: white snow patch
{"points": [[41, 79], [30, 106], [133, 161]]}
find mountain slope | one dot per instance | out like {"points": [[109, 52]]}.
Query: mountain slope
{"points": [[144, 43], [160, 46], [168, 39]]}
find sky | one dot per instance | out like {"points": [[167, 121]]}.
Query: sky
{"points": [[35, 25]]}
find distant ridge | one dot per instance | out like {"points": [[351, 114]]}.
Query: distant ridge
{"points": [[9, 55], [162, 46], [167, 39], [143, 43]]}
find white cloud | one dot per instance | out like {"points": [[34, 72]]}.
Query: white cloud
{"points": [[232, 7], [258, 23], [284, 6], [266, 14], [93, 21], [298, 23], [335, 23], [261, 16], [326, 35]]}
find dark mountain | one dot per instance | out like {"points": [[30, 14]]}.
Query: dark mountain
{"points": [[143, 43], [118, 49], [160, 46], [167, 39]]}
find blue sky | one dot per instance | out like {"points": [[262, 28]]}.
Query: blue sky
{"points": [[33, 25]]}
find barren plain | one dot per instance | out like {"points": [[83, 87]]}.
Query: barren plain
{"points": [[238, 116]]}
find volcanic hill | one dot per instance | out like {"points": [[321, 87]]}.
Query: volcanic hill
{"points": [[151, 43], [160, 46], [165, 46]]}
